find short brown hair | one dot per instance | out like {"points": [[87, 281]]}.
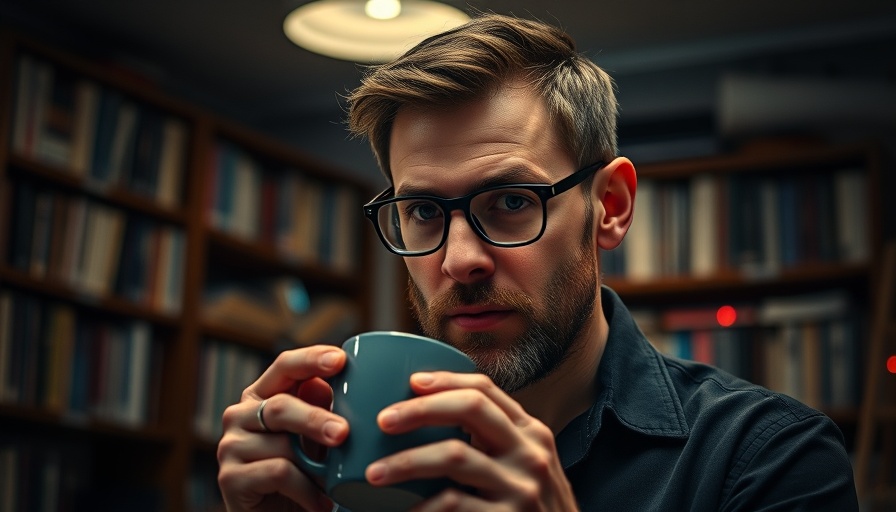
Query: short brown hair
{"points": [[463, 63]]}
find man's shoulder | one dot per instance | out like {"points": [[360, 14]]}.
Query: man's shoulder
{"points": [[707, 393]]}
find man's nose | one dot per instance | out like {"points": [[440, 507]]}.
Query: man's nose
{"points": [[467, 257]]}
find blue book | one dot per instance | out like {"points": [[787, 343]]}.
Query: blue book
{"points": [[79, 396], [23, 227], [225, 201], [107, 121], [787, 207], [147, 152]]}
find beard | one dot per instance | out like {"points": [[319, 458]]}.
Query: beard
{"points": [[552, 325]]}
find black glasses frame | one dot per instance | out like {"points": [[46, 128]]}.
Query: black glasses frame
{"points": [[544, 192]]}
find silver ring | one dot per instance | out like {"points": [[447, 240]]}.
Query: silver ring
{"points": [[260, 415]]}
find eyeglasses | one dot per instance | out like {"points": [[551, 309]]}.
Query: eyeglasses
{"points": [[508, 215]]}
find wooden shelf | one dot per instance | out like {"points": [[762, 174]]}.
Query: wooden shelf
{"points": [[57, 290], [253, 258], [800, 182], [116, 195], [728, 285], [39, 418], [158, 459]]}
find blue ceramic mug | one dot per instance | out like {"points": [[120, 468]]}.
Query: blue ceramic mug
{"points": [[376, 375]]}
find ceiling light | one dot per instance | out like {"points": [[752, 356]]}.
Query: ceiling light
{"points": [[382, 9], [371, 31]]}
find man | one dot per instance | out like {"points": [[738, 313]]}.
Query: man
{"points": [[573, 409]]}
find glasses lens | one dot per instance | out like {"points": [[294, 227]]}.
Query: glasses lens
{"points": [[412, 225], [505, 216], [508, 215]]}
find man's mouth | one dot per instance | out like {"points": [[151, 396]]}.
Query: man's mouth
{"points": [[478, 318]]}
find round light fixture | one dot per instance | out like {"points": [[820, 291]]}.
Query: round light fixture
{"points": [[371, 31], [382, 9]]}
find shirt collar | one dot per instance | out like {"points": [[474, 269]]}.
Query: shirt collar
{"points": [[634, 386]]}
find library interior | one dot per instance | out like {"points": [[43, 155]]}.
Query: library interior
{"points": [[180, 201]]}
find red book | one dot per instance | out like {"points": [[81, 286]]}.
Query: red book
{"points": [[710, 317]]}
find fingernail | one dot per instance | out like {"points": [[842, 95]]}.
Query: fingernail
{"points": [[328, 360], [389, 418], [423, 379], [332, 430], [376, 472]]}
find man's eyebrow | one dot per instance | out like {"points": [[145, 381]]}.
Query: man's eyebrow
{"points": [[516, 175]]}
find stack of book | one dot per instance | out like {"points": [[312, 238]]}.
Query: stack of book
{"points": [[808, 347], [96, 133], [307, 220], [757, 225]]}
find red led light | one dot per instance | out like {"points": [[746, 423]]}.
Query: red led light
{"points": [[726, 315], [891, 364]]}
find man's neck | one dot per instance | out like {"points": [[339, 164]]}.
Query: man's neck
{"points": [[571, 388]]}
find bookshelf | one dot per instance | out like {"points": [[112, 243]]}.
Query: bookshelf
{"points": [[760, 262], [120, 207]]}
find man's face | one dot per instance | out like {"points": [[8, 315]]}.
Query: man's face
{"points": [[516, 311]]}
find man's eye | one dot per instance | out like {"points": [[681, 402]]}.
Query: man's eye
{"points": [[423, 211], [512, 202]]}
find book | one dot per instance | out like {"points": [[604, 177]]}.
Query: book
{"points": [[79, 388], [707, 317], [73, 244], [640, 244], [801, 308], [172, 162], [58, 230], [843, 354], [246, 197], [852, 227], [42, 94], [173, 297], [788, 208], [792, 381], [703, 219], [146, 143], [111, 255], [308, 224], [23, 228], [329, 320], [23, 115], [41, 232], [347, 225], [255, 305], [87, 97], [106, 125], [770, 222], [811, 364], [57, 122], [138, 374], [58, 372], [225, 188], [702, 347], [726, 348], [745, 243], [203, 422], [159, 268], [122, 149]]}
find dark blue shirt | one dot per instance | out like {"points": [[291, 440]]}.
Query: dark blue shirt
{"points": [[667, 434]]}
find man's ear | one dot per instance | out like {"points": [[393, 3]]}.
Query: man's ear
{"points": [[615, 187]]}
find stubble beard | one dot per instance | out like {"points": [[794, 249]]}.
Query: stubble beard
{"points": [[553, 324]]}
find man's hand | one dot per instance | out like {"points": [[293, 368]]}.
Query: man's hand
{"points": [[257, 470], [511, 463]]}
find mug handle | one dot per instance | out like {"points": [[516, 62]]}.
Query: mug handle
{"points": [[306, 463]]}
